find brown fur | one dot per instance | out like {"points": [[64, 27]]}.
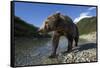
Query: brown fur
{"points": [[62, 26]]}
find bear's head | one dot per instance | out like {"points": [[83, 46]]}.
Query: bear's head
{"points": [[50, 23]]}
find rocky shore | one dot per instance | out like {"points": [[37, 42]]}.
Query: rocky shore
{"points": [[89, 37]]}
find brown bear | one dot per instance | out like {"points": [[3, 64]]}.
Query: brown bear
{"points": [[62, 26]]}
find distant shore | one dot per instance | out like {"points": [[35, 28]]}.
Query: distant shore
{"points": [[89, 37]]}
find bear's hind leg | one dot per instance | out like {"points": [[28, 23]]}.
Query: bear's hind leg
{"points": [[76, 41], [70, 43]]}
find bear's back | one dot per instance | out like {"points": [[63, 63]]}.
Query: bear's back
{"points": [[67, 19]]}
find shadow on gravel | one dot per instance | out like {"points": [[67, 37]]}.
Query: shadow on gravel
{"points": [[87, 46]]}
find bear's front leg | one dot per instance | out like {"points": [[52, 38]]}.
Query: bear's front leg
{"points": [[55, 42]]}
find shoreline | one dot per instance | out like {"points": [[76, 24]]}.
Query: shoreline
{"points": [[85, 52]]}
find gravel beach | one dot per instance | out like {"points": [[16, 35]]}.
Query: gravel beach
{"points": [[85, 52]]}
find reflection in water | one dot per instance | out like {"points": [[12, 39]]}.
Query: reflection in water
{"points": [[34, 51]]}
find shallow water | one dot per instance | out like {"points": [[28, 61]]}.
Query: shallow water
{"points": [[33, 51], [30, 51]]}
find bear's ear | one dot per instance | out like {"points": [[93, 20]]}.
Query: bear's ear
{"points": [[57, 15]]}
